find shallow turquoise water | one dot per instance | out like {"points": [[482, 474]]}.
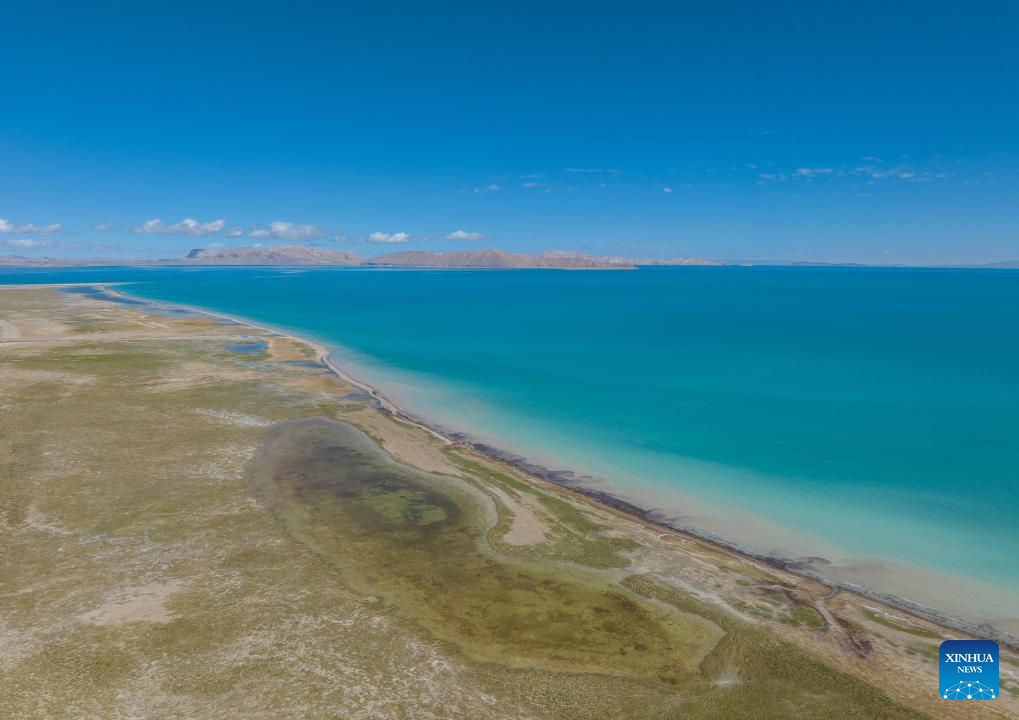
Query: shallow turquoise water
{"points": [[876, 412]]}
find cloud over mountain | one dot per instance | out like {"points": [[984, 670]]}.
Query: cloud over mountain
{"points": [[381, 237], [282, 230], [187, 226], [464, 235]]}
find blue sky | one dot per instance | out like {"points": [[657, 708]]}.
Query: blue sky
{"points": [[863, 131]]}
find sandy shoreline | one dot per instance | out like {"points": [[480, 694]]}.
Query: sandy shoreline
{"points": [[570, 481]]}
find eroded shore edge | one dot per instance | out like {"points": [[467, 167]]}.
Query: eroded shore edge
{"points": [[564, 479]]}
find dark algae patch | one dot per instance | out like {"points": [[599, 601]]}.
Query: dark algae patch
{"points": [[417, 541]]}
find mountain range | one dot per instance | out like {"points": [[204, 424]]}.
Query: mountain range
{"points": [[482, 258], [306, 255]]}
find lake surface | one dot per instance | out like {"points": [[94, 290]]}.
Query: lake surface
{"points": [[869, 417]]}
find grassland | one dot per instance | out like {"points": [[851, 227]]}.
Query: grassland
{"points": [[188, 531]]}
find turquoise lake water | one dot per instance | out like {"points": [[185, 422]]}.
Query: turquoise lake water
{"points": [[869, 416]]}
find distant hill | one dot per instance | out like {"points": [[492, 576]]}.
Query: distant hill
{"points": [[493, 258], [490, 258], [305, 255], [678, 261], [271, 255]]}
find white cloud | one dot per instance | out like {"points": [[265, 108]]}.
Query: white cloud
{"points": [[8, 227], [491, 187], [869, 171], [23, 243], [811, 172], [899, 172], [381, 237], [279, 230], [532, 184], [102, 226], [464, 235], [187, 226], [667, 189], [288, 231]]}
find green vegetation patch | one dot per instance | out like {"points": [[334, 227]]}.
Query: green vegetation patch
{"points": [[804, 616], [417, 540], [573, 536], [753, 668]]}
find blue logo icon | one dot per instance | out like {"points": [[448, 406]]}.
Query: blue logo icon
{"points": [[968, 669]]}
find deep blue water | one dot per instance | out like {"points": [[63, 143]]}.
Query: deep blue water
{"points": [[872, 412]]}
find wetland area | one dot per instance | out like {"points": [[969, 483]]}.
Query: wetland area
{"points": [[200, 519]]}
